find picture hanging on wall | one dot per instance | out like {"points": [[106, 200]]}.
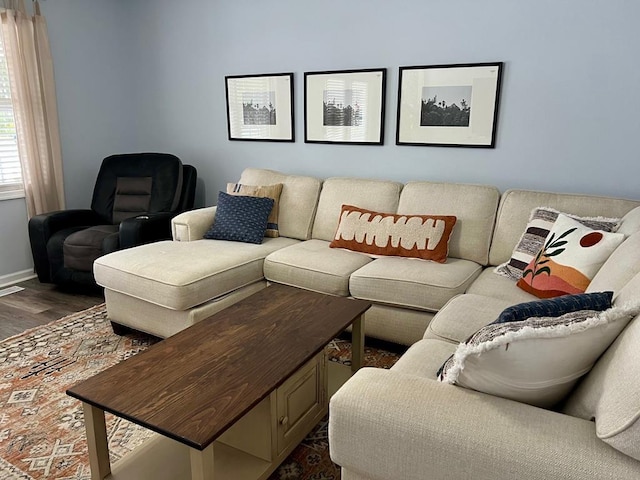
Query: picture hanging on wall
{"points": [[345, 106], [449, 105], [260, 107]]}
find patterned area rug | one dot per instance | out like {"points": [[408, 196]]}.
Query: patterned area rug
{"points": [[42, 429]]}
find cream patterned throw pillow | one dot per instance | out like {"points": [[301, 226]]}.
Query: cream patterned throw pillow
{"points": [[270, 191], [532, 240], [571, 256]]}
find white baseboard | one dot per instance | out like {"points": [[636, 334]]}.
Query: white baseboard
{"points": [[12, 278]]}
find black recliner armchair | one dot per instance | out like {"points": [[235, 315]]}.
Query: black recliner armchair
{"points": [[134, 199]]}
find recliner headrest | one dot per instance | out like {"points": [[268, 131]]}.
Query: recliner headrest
{"points": [[165, 171]]}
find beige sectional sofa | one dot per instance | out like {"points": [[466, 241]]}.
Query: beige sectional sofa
{"points": [[402, 423], [164, 287]]}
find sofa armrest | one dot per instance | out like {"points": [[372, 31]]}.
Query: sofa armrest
{"points": [[388, 425], [192, 225]]}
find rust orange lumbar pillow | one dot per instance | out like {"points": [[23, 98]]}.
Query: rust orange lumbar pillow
{"points": [[419, 236]]}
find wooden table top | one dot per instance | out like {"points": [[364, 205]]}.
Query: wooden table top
{"points": [[194, 385]]}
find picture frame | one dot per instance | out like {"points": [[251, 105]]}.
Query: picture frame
{"points": [[449, 105], [345, 106], [260, 107]]}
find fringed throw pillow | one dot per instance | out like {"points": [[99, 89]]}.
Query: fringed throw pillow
{"points": [[537, 360]]}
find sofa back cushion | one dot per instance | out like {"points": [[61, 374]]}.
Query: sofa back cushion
{"points": [[474, 206], [620, 267], [610, 392], [298, 199], [516, 206], [378, 195]]}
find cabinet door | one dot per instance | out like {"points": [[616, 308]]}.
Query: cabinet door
{"points": [[300, 401]]}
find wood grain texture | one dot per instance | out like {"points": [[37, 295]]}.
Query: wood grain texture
{"points": [[192, 386], [39, 304]]}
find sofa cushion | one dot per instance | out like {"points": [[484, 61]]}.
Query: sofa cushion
{"points": [[619, 268], [629, 293], [630, 223], [474, 206], [271, 191], [610, 392], [403, 326], [240, 218], [463, 315], [377, 195], [314, 266], [411, 282], [570, 257], [180, 275], [541, 221], [491, 284], [375, 233], [298, 199], [516, 206], [538, 360], [424, 358]]}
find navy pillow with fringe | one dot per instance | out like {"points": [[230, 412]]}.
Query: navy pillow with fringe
{"points": [[555, 307]]}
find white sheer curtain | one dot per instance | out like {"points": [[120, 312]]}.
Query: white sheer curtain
{"points": [[26, 43]]}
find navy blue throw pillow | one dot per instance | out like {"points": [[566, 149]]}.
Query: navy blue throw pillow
{"points": [[240, 218], [555, 307]]}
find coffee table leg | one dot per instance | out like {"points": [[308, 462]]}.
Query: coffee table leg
{"points": [[96, 441], [202, 463], [357, 343]]}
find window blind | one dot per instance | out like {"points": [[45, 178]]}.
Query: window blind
{"points": [[10, 170]]}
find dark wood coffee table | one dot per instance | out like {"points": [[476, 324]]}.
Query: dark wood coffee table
{"points": [[243, 386]]}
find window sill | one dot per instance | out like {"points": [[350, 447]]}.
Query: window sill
{"points": [[11, 194]]}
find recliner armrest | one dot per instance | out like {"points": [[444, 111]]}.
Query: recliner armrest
{"points": [[146, 228], [55, 221], [192, 225], [43, 226], [388, 425]]}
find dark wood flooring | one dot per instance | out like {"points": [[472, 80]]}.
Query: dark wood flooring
{"points": [[41, 303]]}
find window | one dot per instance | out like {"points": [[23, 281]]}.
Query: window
{"points": [[10, 170]]}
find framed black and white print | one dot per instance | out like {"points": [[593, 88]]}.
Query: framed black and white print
{"points": [[345, 106], [260, 107], [449, 105]]}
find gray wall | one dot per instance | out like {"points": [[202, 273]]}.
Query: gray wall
{"points": [[90, 43], [149, 75], [15, 254], [568, 108]]}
